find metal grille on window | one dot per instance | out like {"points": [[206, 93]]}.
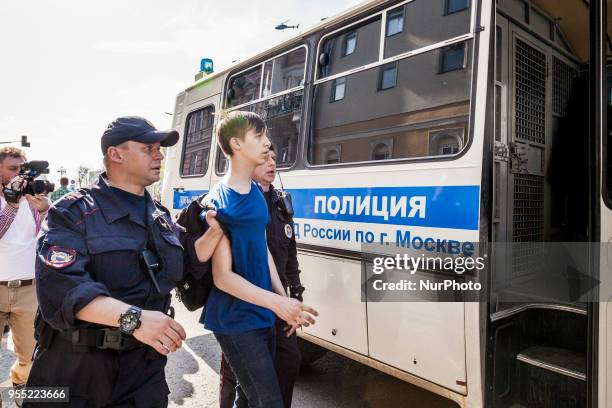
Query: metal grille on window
{"points": [[563, 75], [530, 89], [282, 115], [527, 222], [197, 142]]}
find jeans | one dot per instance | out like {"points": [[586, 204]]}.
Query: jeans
{"points": [[287, 362], [251, 358]]}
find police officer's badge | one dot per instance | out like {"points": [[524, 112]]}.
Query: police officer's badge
{"points": [[60, 257], [164, 223], [288, 230]]}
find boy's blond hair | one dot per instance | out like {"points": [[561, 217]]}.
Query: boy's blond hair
{"points": [[237, 124]]}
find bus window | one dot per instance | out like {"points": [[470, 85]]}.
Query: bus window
{"points": [[196, 145], [222, 162], [280, 105], [351, 48], [282, 115], [284, 72], [452, 18], [392, 111], [244, 87]]}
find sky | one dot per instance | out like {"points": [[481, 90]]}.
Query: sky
{"points": [[69, 67]]}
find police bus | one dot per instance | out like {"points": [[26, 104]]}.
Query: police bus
{"points": [[432, 124]]}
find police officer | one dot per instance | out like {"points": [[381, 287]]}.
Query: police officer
{"points": [[107, 261], [282, 245]]}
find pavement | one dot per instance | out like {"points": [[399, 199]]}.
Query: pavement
{"points": [[332, 382]]}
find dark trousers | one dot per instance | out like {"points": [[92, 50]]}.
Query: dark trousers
{"points": [[101, 378], [251, 357], [286, 362]]}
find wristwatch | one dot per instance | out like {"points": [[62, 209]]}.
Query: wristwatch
{"points": [[130, 320]]}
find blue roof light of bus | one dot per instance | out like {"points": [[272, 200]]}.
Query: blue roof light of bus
{"points": [[206, 65]]}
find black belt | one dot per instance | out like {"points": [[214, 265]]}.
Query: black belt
{"points": [[107, 338], [17, 283]]}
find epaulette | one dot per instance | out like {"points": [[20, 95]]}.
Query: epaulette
{"points": [[70, 198]]}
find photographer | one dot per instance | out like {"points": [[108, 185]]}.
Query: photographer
{"points": [[19, 225]]}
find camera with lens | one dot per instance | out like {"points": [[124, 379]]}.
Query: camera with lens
{"points": [[26, 183]]}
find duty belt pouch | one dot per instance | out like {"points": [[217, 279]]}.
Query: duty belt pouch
{"points": [[43, 332]]}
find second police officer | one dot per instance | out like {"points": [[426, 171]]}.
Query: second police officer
{"points": [[107, 261], [282, 245]]}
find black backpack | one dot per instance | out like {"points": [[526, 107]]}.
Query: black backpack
{"points": [[197, 283]]}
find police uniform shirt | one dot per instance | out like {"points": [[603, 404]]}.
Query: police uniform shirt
{"points": [[281, 241], [91, 246]]}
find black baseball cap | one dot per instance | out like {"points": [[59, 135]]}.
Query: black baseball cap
{"points": [[137, 129]]}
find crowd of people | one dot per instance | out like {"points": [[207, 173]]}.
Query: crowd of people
{"points": [[85, 282]]}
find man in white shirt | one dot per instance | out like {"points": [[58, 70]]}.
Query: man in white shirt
{"points": [[19, 226]]}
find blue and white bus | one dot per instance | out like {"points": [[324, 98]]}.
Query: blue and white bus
{"points": [[426, 121]]}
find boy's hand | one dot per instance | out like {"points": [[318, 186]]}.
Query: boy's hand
{"points": [[294, 313], [212, 221]]}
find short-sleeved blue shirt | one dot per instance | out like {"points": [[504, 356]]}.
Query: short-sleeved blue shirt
{"points": [[245, 216]]}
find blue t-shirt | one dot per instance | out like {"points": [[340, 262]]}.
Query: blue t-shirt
{"points": [[245, 216]]}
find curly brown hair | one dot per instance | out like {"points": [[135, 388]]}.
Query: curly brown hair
{"points": [[14, 152]]}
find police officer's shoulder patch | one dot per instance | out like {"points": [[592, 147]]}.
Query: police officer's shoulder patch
{"points": [[60, 257], [288, 230]]}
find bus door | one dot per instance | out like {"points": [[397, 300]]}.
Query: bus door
{"points": [[533, 84], [192, 176], [603, 363], [541, 270]]}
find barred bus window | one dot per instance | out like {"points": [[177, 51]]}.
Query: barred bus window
{"points": [[283, 116], [426, 22], [333, 55], [284, 72], [407, 115], [196, 144], [244, 87]]}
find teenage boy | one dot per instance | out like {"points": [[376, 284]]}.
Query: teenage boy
{"points": [[247, 292]]}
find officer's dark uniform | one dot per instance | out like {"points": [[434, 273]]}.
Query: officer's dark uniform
{"points": [[282, 245], [91, 248]]}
